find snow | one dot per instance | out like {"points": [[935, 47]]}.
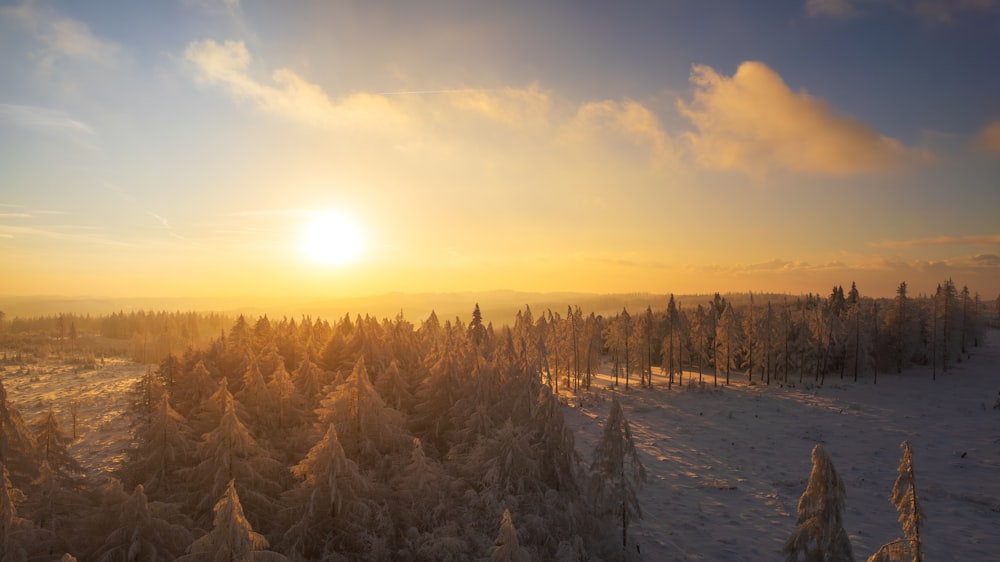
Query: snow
{"points": [[103, 394], [726, 466]]}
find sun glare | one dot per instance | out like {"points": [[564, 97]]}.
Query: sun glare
{"points": [[332, 239]]}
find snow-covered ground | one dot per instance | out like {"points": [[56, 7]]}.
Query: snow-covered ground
{"points": [[103, 396], [726, 466]]}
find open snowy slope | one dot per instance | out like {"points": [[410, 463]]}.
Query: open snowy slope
{"points": [[102, 396], [727, 465]]}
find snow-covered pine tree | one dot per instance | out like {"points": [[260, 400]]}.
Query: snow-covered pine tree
{"points": [[904, 497], [142, 535], [162, 446], [257, 399], [368, 429], [232, 537], [819, 534], [193, 388], [308, 383], [911, 516], [17, 443], [12, 527], [394, 387], [329, 498], [229, 452], [53, 446], [506, 462], [618, 472], [505, 547]]}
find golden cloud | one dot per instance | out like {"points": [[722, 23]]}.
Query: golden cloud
{"points": [[989, 138], [453, 117], [971, 240], [753, 123]]}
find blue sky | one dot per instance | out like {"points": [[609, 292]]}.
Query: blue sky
{"points": [[182, 148]]}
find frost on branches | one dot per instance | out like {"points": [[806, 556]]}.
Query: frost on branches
{"points": [[819, 534], [506, 548], [232, 537], [911, 516]]}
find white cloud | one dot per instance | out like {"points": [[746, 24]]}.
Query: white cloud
{"points": [[62, 37]]}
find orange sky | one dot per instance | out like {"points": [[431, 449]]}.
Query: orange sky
{"points": [[593, 152]]}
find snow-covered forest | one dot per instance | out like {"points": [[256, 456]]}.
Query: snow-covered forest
{"points": [[449, 439]]}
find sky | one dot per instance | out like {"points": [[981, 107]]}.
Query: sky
{"points": [[189, 147]]}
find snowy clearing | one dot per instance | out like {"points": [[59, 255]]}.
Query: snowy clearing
{"points": [[726, 466], [103, 396]]}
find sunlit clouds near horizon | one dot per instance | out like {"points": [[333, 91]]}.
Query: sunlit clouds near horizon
{"points": [[188, 148]]}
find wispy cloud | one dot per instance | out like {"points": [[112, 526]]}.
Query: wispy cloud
{"points": [[931, 11], [47, 121], [983, 240], [840, 9], [58, 233], [988, 139], [753, 123], [62, 37]]}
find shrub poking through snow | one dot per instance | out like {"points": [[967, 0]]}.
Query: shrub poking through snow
{"points": [[819, 534]]}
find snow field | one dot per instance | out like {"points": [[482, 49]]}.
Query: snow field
{"points": [[727, 465]]}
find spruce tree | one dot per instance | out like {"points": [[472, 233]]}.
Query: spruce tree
{"points": [[618, 472], [232, 537], [505, 547], [819, 534]]}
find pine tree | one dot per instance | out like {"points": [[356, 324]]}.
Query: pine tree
{"points": [[366, 426], [53, 447], [142, 535], [229, 452], [331, 495], [162, 445], [12, 527], [232, 538], [618, 472], [17, 442], [911, 516], [505, 547], [819, 534]]}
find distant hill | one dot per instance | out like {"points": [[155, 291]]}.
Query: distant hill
{"points": [[499, 306]]}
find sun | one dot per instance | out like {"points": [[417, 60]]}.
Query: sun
{"points": [[332, 238]]}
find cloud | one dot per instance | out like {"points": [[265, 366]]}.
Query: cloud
{"points": [[989, 139], [971, 240], [47, 121], [931, 11], [753, 123], [628, 120], [947, 11], [417, 119], [62, 36], [228, 66], [839, 9]]}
